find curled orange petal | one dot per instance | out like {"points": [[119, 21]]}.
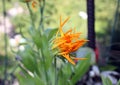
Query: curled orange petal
{"points": [[69, 59], [78, 58], [68, 42]]}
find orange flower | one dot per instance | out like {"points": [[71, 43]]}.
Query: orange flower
{"points": [[33, 3], [68, 42]]}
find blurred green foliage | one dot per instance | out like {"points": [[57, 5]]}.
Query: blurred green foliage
{"points": [[104, 10], [107, 81], [38, 64], [104, 15]]}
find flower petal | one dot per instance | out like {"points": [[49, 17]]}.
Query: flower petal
{"points": [[69, 59], [78, 58]]}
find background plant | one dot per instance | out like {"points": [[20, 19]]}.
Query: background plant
{"points": [[52, 11], [38, 62]]}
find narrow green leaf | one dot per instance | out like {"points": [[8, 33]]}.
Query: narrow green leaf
{"points": [[108, 67], [103, 81], [25, 79], [36, 37], [46, 51], [67, 70], [80, 69], [106, 81], [38, 80], [51, 75], [118, 82], [52, 33], [29, 60]]}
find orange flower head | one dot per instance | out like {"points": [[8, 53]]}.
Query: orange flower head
{"points": [[34, 3], [68, 42]]}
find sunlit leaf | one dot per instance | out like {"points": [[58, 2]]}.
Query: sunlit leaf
{"points": [[106, 81], [118, 82], [46, 51], [81, 69], [29, 59], [25, 79]]}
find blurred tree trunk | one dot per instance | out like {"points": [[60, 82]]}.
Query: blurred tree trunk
{"points": [[91, 23]]}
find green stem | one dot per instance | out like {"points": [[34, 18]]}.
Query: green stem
{"points": [[31, 14], [55, 63], [42, 6], [5, 46], [45, 70], [44, 66]]}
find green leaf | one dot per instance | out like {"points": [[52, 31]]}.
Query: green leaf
{"points": [[108, 67], [50, 33], [51, 75], [67, 70], [25, 79], [118, 82], [46, 52], [106, 81], [80, 69], [29, 60], [36, 37], [38, 80], [61, 80]]}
